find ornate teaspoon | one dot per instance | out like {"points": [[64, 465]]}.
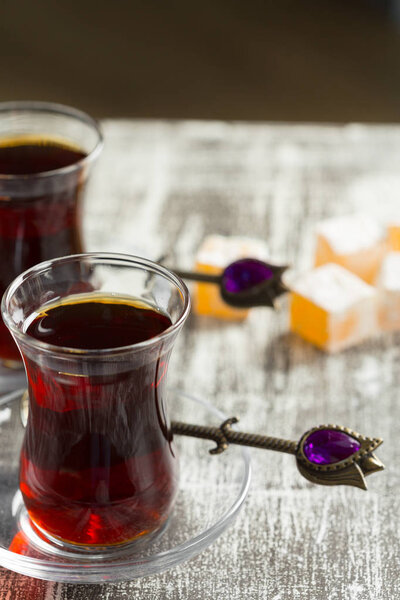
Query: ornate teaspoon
{"points": [[328, 454], [245, 283]]}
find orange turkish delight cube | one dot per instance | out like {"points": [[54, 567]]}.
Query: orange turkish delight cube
{"points": [[394, 236], [214, 255], [332, 308]]}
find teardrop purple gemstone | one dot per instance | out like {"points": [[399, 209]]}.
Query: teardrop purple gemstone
{"points": [[244, 274], [327, 446]]}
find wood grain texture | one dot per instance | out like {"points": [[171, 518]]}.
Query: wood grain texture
{"points": [[159, 188]]}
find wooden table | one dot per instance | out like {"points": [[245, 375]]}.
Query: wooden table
{"points": [[161, 187]]}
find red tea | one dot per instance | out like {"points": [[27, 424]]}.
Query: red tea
{"points": [[97, 465], [41, 220]]}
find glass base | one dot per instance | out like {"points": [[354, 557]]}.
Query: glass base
{"points": [[35, 537], [211, 492]]}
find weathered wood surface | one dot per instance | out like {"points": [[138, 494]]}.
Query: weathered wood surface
{"points": [[160, 187]]}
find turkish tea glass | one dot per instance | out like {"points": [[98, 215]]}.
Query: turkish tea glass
{"points": [[98, 465], [46, 153]]}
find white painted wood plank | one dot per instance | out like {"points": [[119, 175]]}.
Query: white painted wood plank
{"points": [[160, 187]]}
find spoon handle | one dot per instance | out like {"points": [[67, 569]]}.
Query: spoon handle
{"points": [[344, 458], [225, 435], [195, 276], [350, 468]]}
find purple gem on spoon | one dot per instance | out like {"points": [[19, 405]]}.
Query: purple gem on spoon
{"points": [[327, 446], [244, 274]]}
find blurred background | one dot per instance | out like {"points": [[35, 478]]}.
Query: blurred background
{"points": [[270, 60]]}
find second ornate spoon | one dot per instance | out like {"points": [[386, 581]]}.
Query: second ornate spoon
{"points": [[245, 283]]}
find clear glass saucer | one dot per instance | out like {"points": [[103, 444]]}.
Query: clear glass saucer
{"points": [[211, 493]]}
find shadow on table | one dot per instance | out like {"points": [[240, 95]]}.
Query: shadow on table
{"points": [[301, 352]]}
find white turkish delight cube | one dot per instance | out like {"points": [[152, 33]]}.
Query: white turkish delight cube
{"points": [[389, 292], [356, 242]]}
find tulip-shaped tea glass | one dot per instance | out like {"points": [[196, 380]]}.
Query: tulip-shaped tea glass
{"points": [[98, 465], [46, 152]]}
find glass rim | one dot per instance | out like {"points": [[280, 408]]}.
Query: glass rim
{"points": [[111, 258], [57, 109]]}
